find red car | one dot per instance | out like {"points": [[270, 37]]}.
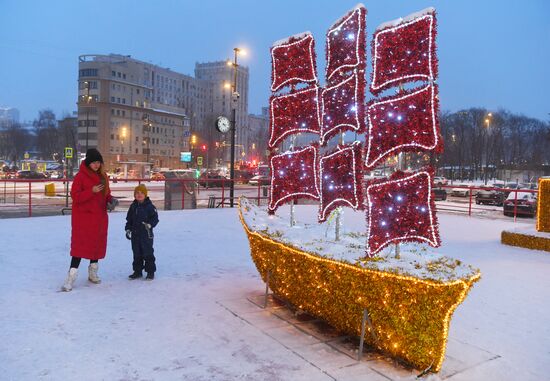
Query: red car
{"points": [[524, 204]]}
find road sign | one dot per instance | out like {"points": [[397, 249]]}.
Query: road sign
{"points": [[199, 160], [186, 134], [26, 155], [68, 152]]}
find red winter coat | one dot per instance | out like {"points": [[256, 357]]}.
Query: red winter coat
{"points": [[89, 215]]}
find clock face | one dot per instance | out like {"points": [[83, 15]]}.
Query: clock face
{"points": [[222, 124]]}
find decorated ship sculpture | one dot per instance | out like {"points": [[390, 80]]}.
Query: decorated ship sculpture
{"points": [[409, 311]]}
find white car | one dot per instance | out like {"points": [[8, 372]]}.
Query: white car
{"points": [[263, 180], [461, 192], [439, 181]]}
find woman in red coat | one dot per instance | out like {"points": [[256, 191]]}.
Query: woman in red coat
{"points": [[91, 196]]}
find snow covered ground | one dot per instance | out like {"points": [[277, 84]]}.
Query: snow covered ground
{"points": [[177, 327]]}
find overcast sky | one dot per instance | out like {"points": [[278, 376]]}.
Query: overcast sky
{"points": [[492, 53]]}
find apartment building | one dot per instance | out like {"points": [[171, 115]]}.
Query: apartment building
{"points": [[133, 111]]}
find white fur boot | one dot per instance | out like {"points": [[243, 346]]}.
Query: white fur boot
{"points": [[71, 277], [92, 273]]}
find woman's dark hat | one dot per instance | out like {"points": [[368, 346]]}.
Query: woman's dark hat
{"points": [[93, 155]]}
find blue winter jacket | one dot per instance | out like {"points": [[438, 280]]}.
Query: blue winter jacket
{"points": [[140, 213]]}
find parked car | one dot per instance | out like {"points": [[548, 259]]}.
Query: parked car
{"points": [[440, 194], [56, 174], [524, 204], [259, 179], [488, 195], [440, 181], [243, 176], [532, 186], [212, 180], [33, 175], [461, 192]]}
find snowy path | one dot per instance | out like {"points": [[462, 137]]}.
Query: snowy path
{"points": [[177, 327]]}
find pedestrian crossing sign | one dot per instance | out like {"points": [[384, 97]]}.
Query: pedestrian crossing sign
{"points": [[68, 152]]}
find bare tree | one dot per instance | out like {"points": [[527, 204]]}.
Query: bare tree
{"points": [[47, 134]]}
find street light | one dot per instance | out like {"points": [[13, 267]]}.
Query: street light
{"points": [[488, 124], [147, 125], [87, 99], [123, 137], [235, 97]]}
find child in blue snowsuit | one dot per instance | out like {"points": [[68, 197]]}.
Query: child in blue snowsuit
{"points": [[142, 217]]}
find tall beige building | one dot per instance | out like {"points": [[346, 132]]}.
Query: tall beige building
{"points": [[133, 111], [218, 74]]}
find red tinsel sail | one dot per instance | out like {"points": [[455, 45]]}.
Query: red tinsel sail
{"points": [[401, 209], [404, 50], [293, 113], [294, 175], [293, 61], [341, 180], [406, 122]]}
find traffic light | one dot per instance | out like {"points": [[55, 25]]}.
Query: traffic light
{"points": [[203, 147], [193, 139]]}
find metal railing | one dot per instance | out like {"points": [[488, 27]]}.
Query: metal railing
{"points": [[26, 197]]}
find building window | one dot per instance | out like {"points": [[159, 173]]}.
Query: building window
{"points": [[123, 76], [118, 112], [88, 73], [118, 100], [113, 73], [113, 99], [118, 74], [137, 91]]}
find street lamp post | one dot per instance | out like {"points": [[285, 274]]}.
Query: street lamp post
{"points": [[123, 137], [488, 124], [147, 128], [87, 84], [235, 97]]}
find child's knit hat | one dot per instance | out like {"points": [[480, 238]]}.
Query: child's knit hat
{"points": [[141, 188]]}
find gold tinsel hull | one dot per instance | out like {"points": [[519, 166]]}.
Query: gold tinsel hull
{"points": [[410, 316]]}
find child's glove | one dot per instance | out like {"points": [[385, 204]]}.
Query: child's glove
{"points": [[128, 234]]}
